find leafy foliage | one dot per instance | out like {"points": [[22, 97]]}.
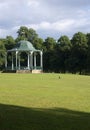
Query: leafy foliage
{"points": [[2, 53], [79, 50], [63, 55]]}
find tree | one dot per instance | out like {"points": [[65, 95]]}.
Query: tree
{"points": [[22, 33], [2, 54], [30, 35], [88, 53], [64, 43], [79, 51], [9, 42], [39, 43], [49, 44], [49, 47], [88, 38], [63, 52], [88, 60], [27, 34]]}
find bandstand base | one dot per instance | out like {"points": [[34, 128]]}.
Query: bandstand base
{"points": [[23, 71]]}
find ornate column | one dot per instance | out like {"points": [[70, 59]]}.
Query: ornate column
{"points": [[41, 60], [28, 64], [31, 60], [19, 61], [34, 60], [12, 62], [6, 60], [16, 59]]}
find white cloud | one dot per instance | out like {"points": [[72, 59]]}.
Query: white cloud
{"points": [[33, 3], [46, 16], [58, 26]]}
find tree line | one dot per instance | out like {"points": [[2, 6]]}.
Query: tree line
{"points": [[64, 55]]}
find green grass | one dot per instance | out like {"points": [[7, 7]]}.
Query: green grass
{"points": [[44, 102]]}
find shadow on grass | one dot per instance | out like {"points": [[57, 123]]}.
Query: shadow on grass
{"points": [[21, 118]]}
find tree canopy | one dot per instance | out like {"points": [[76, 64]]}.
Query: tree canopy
{"points": [[61, 55]]}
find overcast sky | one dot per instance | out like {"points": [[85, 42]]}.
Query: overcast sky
{"points": [[48, 17]]}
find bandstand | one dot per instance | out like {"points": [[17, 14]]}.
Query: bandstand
{"points": [[31, 54]]}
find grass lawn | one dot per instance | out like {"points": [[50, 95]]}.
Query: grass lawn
{"points": [[44, 102]]}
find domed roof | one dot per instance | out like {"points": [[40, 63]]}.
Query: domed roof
{"points": [[23, 46]]}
